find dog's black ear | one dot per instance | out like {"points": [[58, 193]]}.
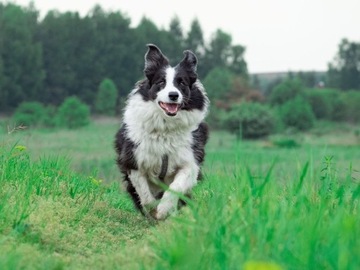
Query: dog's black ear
{"points": [[189, 61], [154, 59]]}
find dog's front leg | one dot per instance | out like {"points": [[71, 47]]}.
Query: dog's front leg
{"points": [[184, 181], [140, 183]]}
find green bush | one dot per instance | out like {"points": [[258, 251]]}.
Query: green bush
{"points": [[50, 119], [345, 106], [249, 120], [106, 98], [216, 117], [218, 83], [322, 102], [285, 91], [297, 113], [73, 113], [339, 113], [351, 100], [284, 142], [30, 114]]}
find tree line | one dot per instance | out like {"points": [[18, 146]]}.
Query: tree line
{"points": [[65, 54]]}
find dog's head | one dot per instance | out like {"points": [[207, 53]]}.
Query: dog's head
{"points": [[170, 87]]}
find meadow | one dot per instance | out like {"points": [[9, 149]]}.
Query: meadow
{"points": [[288, 202]]}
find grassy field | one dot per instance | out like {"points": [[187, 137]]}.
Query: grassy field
{"points": [[262, 204]]}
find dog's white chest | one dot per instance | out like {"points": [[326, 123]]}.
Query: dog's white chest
{"points": [[152, 148], [156, 135]]}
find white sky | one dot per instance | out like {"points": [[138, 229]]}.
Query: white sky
{"points": [[279, 35]]}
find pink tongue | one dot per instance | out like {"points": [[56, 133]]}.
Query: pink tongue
{"points": [[171, 107]]}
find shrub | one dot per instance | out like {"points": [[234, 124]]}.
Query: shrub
{"points": [[106, 98], [285, 91], [255, 96], [250, 120], [218, 83], [346, 106], [322, 102], [339, 113], [50, 119], [286, 142], [30, 114], [297, 113], [73, 113], [216, 117], [351, 99]]}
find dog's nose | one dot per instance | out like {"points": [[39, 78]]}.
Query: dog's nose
{"points": [[174, 96]]}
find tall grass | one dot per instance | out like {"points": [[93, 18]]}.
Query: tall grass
{"points": [[259, 207], [51, 215], [246, 221]]}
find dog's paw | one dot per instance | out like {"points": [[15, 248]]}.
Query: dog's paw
{"points": [[166, 207], [149, 211]]}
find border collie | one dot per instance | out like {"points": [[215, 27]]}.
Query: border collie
{"points": [[160, 145]]}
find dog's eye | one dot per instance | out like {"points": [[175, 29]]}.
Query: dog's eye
{"points": [[161, 83], [181, 83]]}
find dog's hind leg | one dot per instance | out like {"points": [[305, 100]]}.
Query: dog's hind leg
{"points": [[184, 181]]}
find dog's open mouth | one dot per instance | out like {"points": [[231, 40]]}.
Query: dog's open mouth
{"points": [[170, 109]]}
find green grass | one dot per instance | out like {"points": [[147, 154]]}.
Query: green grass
{"points": [[260, 206]]}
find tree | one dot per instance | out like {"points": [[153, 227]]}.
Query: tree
{"points": [[66, 54], [285, 91], [344, 71], [255, 81], [56, 33], [195, 39], [3, 93], [116, 51], [218, 83], [218, 51], [237, 62], [221, 53], [309, 79], [80, 52], [173, 41], [20, 54], [147, 32], [106, 98], [175, 29]]}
